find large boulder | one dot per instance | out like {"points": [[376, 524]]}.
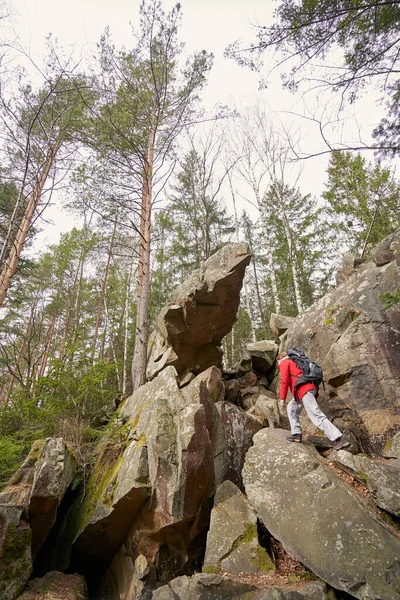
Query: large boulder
{"points": [[279, 324], [232, 540], [232, 436], [392, 447], [201, 312], [263, 355], [150, 496], [165, 459], [381, 478], [15, 551], [18, 489], [355, 338], [53, 475], [319, 519], [215, 587]]}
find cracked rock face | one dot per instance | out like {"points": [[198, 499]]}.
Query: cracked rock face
{"points": [[381, 478], [356, 340], [319, 519], [201, 312], [232, 541]]}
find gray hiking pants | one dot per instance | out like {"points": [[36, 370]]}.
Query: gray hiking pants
{"points": [[314, 412]]}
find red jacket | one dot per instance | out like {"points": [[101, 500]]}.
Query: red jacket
{"points": [[289, 370]]}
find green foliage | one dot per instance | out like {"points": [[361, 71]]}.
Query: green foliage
{"points": [[309, 237], [235, 342], [363, 201], [390, 299]]}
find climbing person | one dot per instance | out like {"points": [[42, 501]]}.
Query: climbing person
{"points": [[307, 394]]}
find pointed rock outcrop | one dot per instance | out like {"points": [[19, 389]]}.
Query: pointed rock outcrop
{"points": [[201, 312]]}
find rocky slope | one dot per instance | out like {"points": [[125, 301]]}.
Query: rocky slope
{"points": [[196, 494]]}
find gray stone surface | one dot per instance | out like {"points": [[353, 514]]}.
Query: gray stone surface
{"points": [[319, 519], [201, 312], [231, 439], [232, 541], [53, 475], [263, 355], [214, 587], [15, 551], [279, 324], [381, 478], [392, 448], [356, 341]]}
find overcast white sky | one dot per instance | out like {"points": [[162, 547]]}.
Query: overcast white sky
{"points": [[208, 24]]}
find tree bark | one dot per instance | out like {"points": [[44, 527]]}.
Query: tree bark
{"points": [[13, 258], [102, 293], [139, 362], [47, 346]]}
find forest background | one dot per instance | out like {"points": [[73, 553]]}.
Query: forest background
{"points": [[124, 142]]}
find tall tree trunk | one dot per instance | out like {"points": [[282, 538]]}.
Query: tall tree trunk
{"points": [[370, 227], [49, 339], [293, 264], [274, 283], [126, 333], [112, 345], [13, 258], [102, 292], [139, 361], [250, 312], [270, 253], [6, 398]]}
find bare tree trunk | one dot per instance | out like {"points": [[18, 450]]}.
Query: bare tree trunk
{"points": [[126, 333], [102, 293], [13, 259], [5, 399], [139, 362], [251, 315], [47, 346], [292, 259], [370, 228], [114, 353]]}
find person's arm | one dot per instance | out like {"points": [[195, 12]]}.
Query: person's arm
{"points": [[284, 369]]}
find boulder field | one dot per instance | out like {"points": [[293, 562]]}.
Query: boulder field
{"points": [[196, 493]]}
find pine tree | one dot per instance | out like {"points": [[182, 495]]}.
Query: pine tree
{"points": [[363, 201]]}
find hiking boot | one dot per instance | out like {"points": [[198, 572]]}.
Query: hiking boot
{"points": [[340, 443], [295, 437]]}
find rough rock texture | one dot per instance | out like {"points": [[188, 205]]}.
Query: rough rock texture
{"points": [[167, 464], [279, 324], [319, 518], [15, 551], [263, 355], [387, 250], [53, 474], [18, 489], [214, 587], [392, 448], [349, 265], [201, 312], [233, 437], [266, 411], [356, 341], [232, 541], [56, 586], [153, 503], [381, 478]]}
